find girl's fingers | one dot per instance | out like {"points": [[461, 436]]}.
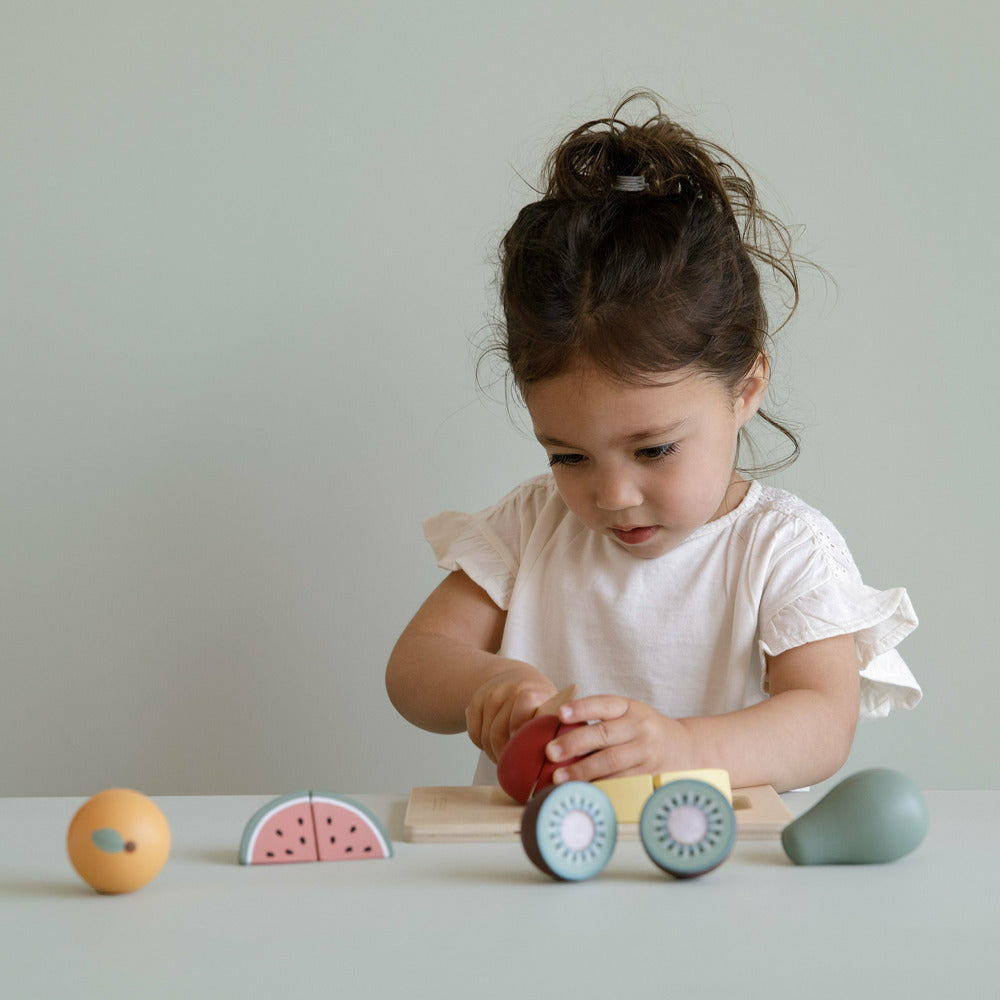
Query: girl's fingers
{"points": [[615, 762], [553, 704], [499, 732], [496, 712], [601, 706], [602, 735], [524, 708], [474, 722], [628, 738]]}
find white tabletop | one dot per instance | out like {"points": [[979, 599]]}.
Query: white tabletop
{"points": [[478, 920]]}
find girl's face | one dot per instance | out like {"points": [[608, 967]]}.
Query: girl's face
{"points": [[644, 465]]}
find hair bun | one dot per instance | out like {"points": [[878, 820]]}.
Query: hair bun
{"points": [[630, 182], [658, 157]]}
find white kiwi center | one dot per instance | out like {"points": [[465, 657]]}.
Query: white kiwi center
{"points": [[687, 824], [577, 830]]}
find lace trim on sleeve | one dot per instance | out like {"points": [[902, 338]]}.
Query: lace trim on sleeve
{"points": [[879, 621]]}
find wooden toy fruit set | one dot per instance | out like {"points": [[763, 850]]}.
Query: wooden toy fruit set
{"points": [[119, 840]]}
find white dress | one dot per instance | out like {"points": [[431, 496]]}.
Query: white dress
{"points": [[687, 632]]}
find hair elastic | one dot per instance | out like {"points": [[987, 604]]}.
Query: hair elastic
{"points": [[630, 182]]}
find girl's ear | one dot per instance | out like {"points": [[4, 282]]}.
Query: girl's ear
{"points": [[750, 392]]}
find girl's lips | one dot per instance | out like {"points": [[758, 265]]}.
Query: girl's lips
{"points": [[635, 536]]}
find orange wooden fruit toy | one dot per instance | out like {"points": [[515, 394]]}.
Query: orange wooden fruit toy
{"points": [[118, 841]]}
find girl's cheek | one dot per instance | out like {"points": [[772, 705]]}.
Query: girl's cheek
{"points": [[574, 497]]}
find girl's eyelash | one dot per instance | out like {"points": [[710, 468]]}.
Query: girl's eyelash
{"points": [[565, 460], [660, 451], [649, 454]]}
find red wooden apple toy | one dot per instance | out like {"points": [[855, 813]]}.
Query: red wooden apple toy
{"points": [[523, 769]]}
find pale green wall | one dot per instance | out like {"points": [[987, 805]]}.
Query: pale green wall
{"points": [[243, 250]]}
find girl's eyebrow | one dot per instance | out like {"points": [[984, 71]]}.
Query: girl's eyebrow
{"points": [[643, 435], [655, 432]]}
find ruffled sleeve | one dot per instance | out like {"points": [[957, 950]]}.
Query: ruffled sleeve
{"points": [[487, 546], [817, 593]]}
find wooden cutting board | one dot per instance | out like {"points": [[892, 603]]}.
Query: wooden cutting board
{"points": [[470, 813]]}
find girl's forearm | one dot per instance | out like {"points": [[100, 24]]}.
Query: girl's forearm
{"points": [[792, 739], [431, 679]]}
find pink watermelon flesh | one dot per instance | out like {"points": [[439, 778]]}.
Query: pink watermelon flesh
{"points": [[344, 833], [286, 835]]}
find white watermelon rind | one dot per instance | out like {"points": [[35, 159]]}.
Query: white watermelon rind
{"points": [[363, 813], [257, 821]]}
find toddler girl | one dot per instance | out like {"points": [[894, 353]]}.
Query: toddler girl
{"points": [[706, 619]]}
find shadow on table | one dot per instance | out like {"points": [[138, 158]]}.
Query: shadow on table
{"points": [[764, 854], [212, 856], [44, 888], [395, 827], [471, 874]]}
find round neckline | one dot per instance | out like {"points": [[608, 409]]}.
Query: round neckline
{"points": [[748, 502]]}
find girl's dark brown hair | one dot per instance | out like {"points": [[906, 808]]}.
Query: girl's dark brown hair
{"points": [[641, 282]]}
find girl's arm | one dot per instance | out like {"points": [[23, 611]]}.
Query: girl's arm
{"points": [[444, 673], [802, 734]]}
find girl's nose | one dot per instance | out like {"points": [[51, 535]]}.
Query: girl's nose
{"points": [[617, 492]]}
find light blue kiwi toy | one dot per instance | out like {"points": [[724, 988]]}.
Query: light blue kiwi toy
{"points": [[871, 817]]}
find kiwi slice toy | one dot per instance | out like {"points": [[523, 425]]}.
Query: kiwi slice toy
{"points": [[569, 831], [687, 828]]}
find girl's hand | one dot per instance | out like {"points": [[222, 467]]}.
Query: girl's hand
{"points": [[628, 738], [503, 704]]}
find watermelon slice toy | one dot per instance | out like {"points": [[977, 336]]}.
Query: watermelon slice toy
{"points": [[313, 826]]}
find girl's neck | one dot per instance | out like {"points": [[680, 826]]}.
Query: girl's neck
{"points": [[735, 495]]}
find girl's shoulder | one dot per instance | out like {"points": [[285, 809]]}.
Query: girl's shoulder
{"points": [[488, 545], [785, 521], [524, 501], [782, 506], [530, 500], [538, 489]]}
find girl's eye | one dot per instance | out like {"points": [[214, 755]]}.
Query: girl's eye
{"points": [[660, 451], [565, 460], [648, 454]]}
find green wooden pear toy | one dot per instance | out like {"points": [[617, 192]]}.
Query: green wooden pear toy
{"points": [[871, 817]]}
